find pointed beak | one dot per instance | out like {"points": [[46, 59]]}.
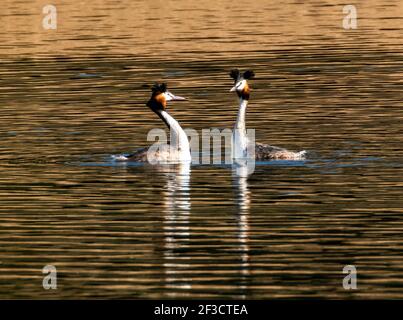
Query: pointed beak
{"points": [[178, 98], [233, 89]]}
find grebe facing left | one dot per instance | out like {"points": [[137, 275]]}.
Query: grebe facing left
{"points": [[240, 141], [171, 152]]}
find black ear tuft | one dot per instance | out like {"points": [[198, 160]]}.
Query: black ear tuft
{"points": [[234, 74], [159, 87], [248, 74]]}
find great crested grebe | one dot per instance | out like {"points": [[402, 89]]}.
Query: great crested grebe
{"points": [[176, 151], [262, 151]]}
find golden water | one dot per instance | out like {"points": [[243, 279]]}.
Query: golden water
{"points": [[71, 97]]}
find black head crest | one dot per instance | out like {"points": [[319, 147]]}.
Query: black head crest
{"points": [[153, 103], [159, 87], [234, 74], [248, 74]]}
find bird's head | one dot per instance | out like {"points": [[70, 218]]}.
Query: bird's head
{"points": [[160, 96], [241, 86]]}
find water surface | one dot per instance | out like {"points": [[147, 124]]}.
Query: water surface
{"points": [[72, 97]]}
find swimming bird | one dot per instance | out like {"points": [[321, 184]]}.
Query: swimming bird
{"points": [[178, 149], [239, 136]]}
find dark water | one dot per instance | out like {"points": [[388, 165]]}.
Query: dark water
{"points": [[70, 98]]}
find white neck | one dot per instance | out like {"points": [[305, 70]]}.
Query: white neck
{"points": [[179, 138], [240, 121], [239, 138]]}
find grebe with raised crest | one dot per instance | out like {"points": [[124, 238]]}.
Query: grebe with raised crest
{"points": [[240, 140], [171, 152]]}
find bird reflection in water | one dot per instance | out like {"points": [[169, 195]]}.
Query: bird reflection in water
{"points": [[177, 204], [241, 170]]}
